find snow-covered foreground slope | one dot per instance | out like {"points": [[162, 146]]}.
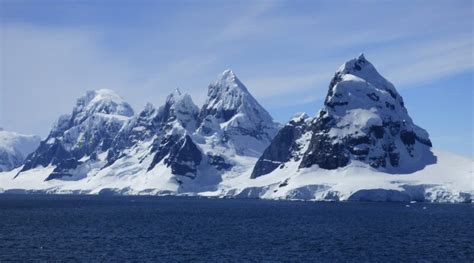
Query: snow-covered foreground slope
{"points": [[14, 148], [449, 180]]}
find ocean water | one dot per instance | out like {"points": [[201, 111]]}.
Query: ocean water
{"points": [[99, 228]]}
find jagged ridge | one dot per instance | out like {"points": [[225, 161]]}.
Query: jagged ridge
{"points": [[101, 135], [87, 132]]}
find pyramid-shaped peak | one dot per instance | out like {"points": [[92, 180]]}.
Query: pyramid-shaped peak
{"points": [[365, 116], [228, 81], [228, 96], [228, 74], [359, 70], [362, 68]]}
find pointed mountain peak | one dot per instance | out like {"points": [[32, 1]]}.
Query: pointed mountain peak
{"points": [[228, 81], [363, 69], [365, 116], [358, 74], [356, 64], [228, 74], [237, 113], [179, 106], [228, 96]]}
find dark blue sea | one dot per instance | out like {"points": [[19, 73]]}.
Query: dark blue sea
{"points": [[100, 228]]}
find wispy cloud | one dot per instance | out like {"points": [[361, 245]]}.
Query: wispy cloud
{"points": [[408, 51], [44, 70], [285, 52], [247, 23], [427, 61]]}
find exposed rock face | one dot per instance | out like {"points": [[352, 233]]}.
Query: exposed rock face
{"points": [[184, 158], [286, 145], [173, 145], [178, 152], [140, 128], [175, 118], [363, 119], [87, 132], [228, 96], [177, 141], [231, 112]]}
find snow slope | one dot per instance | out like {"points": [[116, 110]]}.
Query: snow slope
{"points": [[78, 139], [14, 148], [449, 180], [175, 148], [231, 113]]}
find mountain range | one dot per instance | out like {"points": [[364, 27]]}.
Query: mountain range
{"points": [[14, 148], [362, 145]]}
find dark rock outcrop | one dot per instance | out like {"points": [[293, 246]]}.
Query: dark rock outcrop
{"points": [[283, 148], [363, 119], [89, 130]]}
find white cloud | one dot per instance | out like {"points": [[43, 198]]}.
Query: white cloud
{"points": [[426, 61], [247, 23]]}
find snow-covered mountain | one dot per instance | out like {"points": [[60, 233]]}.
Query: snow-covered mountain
{"points": [[14, 148], [363, 131], [175, 148], [230, 108], [362, 145], [363, 119], [78, 139], [178, 148], [155, 150]]}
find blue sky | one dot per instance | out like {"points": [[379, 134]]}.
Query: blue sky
{"points": [[284, 51]]}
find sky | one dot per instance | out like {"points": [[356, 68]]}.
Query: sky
{"points": [[285, 52]]}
